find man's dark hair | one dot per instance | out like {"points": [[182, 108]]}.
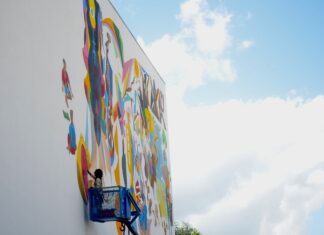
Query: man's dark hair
{"points": [[98, 173]]}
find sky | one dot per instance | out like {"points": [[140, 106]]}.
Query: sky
{"points": [[245, 100]]}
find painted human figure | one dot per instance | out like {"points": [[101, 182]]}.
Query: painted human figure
{"points": [[71, 136], [94, 64], [66, 86], [108, 80], [95, 80]]}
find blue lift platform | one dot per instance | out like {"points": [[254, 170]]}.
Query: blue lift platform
{"points": [[113, 204]]}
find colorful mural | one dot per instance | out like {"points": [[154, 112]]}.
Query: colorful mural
{"points": [[66, 86], [68, 95], [125, 131]]}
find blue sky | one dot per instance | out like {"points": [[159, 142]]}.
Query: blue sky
{"points": [[315, 225], [287, 53], [245, 80]]}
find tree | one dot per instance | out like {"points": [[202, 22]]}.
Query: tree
{"points": [[184, 228]]}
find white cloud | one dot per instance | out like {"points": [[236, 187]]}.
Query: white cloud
{"points": [[238, 167], [316, 177], [285, 138], [190, 10], [209, 26], [196, 52], [246, 44], [298, 200]]}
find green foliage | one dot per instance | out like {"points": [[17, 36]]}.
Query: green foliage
{"points": [[184, 228]]}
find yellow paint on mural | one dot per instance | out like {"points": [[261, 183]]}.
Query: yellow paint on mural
{"points": [[141, 128], [147, 117], [117, 87], [152, 123], [136, 68], [118, 226], [103, 106], [125, 80], [92, 13], [116, 142], [87, 83], [117, 170], [161, 196], [109, 22], [150, 120], [129, 150], [117, 173]]}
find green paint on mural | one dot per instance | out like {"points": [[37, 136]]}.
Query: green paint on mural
{"points": [[66, 115]]}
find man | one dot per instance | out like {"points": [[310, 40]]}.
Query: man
{"points": [[66, 87]]}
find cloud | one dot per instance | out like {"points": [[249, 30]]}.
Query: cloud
{"points": [[238, 167], [243, 160], [316, 178], [209, 27], [299, 198], [246, 44], [196, 53]]}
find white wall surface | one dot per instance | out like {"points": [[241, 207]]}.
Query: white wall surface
{"points": [[38, 179]]}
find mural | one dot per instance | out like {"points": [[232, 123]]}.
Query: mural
{"points": [[66, 86], [125, 133], [68, 95]]}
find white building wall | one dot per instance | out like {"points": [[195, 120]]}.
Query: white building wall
{"points": [[38, 178]]}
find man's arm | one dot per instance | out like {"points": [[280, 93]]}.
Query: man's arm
{"points": [[91, 174]]}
